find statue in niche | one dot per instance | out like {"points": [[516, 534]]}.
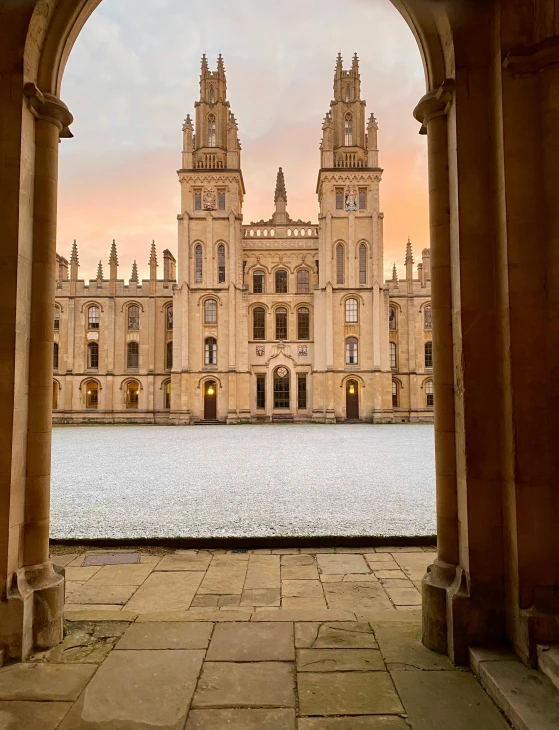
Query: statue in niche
{"points": [[428, 318], [351, 198], [209, 200]]}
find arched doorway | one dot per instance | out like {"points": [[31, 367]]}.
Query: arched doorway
{"points": [[352, 400], [210, 400], [281, 388], [92, 395]]}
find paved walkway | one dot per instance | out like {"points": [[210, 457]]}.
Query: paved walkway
{"points": [[292, 639]]}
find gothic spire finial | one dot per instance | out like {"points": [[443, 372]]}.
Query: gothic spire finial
{"points": [[134, 275], [113, 258], [187, 123], [281, 192], [153, 254], [355, 62], [74, 255], [372, 121], [100, 272], [220, 65], [339, 60], [204, 63], [409, 254], [395, 274]]}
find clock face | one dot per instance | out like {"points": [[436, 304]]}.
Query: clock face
{"points": [[282, 372]]}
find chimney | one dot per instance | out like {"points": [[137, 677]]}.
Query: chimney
{"points": [[169, 266], [426, 257]]}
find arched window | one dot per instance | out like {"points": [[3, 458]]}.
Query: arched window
{"points": [[221, 264], [339, 264], [55, 356], [351, 351], [212, 95], [393, 358], [198, 259], [281, 281], [133, 317], [92, 356], [258, 282], [210, 351], [259, 323], [54, 395], [210, 311], [351, 310], [93, 318], [169, 355], [133, 355], [281, 323], [394, 394], [303, 281], [429, 394], [392, 320], [57, 318], [427, 318], [91, 394], [348, 130], [303, 323], [211, 131], [348, 93], [362, 264], [429, 354], [169, 318], [281, 387], [132, 394], [167, 395]]}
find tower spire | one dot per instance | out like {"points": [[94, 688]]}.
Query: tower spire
{"points": [[113, 258], [280, 187], [134, 274], [280, 198], [220, 66], [100, 271], [204, 64], [395, 275]]}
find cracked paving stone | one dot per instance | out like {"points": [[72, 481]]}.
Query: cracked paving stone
{"points": [[260, 684], [345, 635], [86, 642], [347, 693], [339, 660], [252, 642], [402, 648]]}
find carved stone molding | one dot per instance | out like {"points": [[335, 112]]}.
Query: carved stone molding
{"points": [[529, 61], [49, 108], [434, 104]]}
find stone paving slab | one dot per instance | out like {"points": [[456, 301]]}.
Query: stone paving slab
{"points": [[241, 720], [261, 597], [252, 642], [354, 723], [263, 572], [299, 572], [402, 649], [450, 700], [98, 613], [198, 614], [351, 635], [287, 614], [226, 574], [87, 642], [185, 561], [350, 595], [171, 591], [32, 715], [348, 693], [339, 660], [120, 575], [44, 682], [260, 684], [348, 563], [102, 594], [135, 690], [166, 636]]}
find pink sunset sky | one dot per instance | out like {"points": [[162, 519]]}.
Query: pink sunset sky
{"points": [[133, 76]]}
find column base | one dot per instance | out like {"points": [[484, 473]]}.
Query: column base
{"points": [[538, 625], [32, 616]]}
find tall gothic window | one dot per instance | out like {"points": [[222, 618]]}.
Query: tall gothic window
{"points": [[133, 355], [258, 282], [132, 395], [167, 395], [392, 321], [351, 351], [348, 130], [339, 264], [169, 317], [427, 318], [261, 392], [339, 198], [93, 318], [394, 394], [169, 355], [281, 387], [281, 281], [221, 264], [351, 311], [212, 95], [57, 318], [303, 323], [429, 354], [210, 311], [430, 396], [281, 323], [348, 93], [259, 323], [362, 198], [301, 391], [133, 317], [393, 358], [54, 395], [303, 281], [210, 351], [362, 264], [211, 130], [92, 356], [55, 356], [198, 263], [221, 199]]}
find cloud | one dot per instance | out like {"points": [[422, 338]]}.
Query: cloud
{"points": [[133, 75]]}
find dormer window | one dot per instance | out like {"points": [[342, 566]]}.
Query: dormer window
{"points": [[212, 95], [211, 131], [348, 130], [347, 93]]}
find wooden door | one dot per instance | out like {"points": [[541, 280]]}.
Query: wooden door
{"points": [[352, 400], [210, 401]]}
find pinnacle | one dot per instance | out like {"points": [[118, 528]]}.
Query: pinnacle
{"points": [[409, 254], [100, 272], [134, 275], [74, 255], [113, 258], [280, 187], [153, 254]]}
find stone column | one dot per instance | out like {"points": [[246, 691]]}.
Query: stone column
{"points": [[432, 112], [37, 575]]}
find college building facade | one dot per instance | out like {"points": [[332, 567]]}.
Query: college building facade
{"points": [[278, 320]]}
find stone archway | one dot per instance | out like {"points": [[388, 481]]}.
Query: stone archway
{"points": [[488, 124]]}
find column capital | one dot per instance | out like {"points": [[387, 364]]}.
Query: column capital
{"points": [[49, 108], [434, 104], [532, 60]]}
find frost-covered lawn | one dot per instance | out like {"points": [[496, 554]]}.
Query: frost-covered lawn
{"points": [[203, 481]]}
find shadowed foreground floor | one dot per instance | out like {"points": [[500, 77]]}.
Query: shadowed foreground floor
{"points": [[286, 639]]}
